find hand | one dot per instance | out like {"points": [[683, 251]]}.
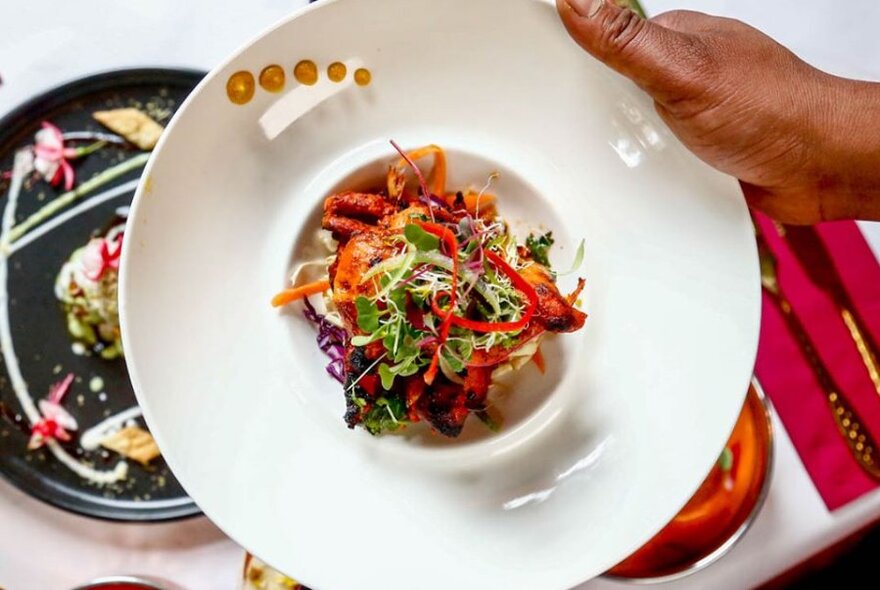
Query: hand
{"points": [[799, 140]]}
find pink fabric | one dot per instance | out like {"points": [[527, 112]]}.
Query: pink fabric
{"points": [[789, 380]]}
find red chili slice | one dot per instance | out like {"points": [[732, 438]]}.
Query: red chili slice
{"points": [[448, 238], [521, 284]]}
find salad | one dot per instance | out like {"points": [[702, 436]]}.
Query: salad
{"points": [[429, 298], [86, 286]]}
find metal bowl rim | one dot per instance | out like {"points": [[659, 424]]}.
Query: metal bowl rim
{"points": [[738, 534]]}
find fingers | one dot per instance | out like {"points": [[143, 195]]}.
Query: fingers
{"points": [[661, 60]]}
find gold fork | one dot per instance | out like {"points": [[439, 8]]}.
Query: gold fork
{"points": [[816, 261], [860, 441]]}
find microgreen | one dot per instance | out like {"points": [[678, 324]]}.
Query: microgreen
{"points": [[387, 377], [400, 313], [539, 247], [361, 340], [577, 262], [421, 239], [388, 414], [367, 314]]}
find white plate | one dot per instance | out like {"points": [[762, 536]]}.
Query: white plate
{"points": [[596, 457]]}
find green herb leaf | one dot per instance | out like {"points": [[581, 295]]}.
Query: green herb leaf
{"points": [[389, 282], [390, 340], [398, 298], [577, 262], [725, 462], [387, 375], [363, 340], [358, 401], [539, 247], [388, 414], [421, 239], [367, 314], [453, 361], [406, 350], [407, 369]]}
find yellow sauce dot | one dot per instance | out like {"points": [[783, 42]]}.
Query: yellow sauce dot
{"points": [[306, 72], [337, 71], [240, 87], [272, 78], [362, 76]]}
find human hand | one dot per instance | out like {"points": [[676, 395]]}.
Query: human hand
{"points": [[798, 139]]}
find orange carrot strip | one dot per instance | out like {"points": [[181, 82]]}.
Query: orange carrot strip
{"points": [[471, 199], [293, 293], [538, 359], [438, 174]]}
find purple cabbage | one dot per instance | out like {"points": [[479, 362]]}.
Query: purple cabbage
{"points": [[331, 340]]}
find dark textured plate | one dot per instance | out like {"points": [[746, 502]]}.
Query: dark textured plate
{"points": [[39, 334]]}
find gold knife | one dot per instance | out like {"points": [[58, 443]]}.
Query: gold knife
{"points": [[817, 263], [859, 440]]}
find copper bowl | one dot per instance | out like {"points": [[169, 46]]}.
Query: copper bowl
{"points": [[722, 510]]}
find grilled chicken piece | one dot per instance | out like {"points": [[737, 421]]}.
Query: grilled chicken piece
{"points": [[445, 407], [554, 312], [346, 214], [363, 251], [364, 245], [364, 223]]}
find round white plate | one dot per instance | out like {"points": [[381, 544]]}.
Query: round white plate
{"points": [[596, 456]]}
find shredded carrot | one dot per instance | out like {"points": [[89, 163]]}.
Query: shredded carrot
{"points": [[538, 359], [294, 293], [486, 202], [438, 174]]}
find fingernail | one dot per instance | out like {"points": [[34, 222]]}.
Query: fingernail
{"points": [[595, 7]]}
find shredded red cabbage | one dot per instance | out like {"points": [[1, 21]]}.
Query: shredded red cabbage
{"points": [[331, 340]]}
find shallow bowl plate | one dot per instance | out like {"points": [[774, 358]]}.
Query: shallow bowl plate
{"points": [[595, 457]]}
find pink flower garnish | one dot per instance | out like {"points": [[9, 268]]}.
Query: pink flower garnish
{"points": [[100, 255], [56, 421], [52, 157]]}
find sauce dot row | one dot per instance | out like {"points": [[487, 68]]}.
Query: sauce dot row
{"points": [[241, 86]]}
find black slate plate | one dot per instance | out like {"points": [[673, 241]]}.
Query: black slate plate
{"points": [[39, 335]]}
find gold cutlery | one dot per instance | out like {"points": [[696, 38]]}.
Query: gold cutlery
{"points": [[859, 440], [817, 263]]}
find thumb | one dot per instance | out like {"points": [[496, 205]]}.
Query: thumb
{"points": [[660, 60]]}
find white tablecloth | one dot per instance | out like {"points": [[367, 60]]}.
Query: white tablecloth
{"points": [[44, 43]]}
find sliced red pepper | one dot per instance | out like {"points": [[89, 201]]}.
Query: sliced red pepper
{"points": [[449, 239], [435, 307], [521, 284], [370, 384]]}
